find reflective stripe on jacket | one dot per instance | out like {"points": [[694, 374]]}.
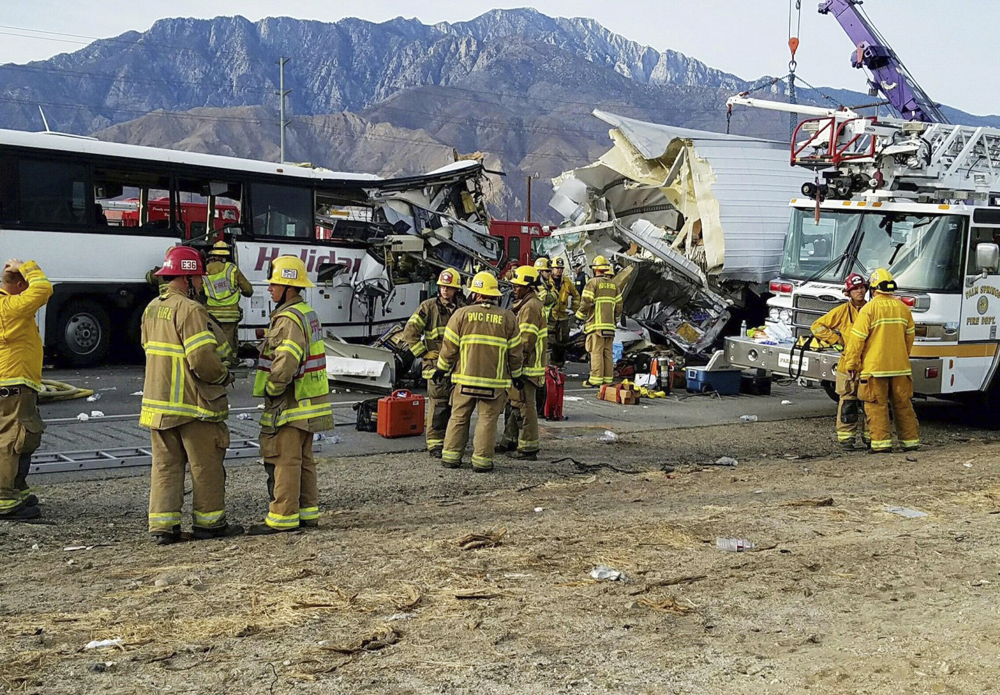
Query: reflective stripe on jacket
{"points": [[425, 331], [547, 296], [223, 288], [483, 345], [20, 341], [881, 339], [834, 327], [184, 373], [601, 305], [564, 290], [291, 371], [534, 336]]}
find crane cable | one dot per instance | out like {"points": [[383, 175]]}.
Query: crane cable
{"points": [[794, 17]]}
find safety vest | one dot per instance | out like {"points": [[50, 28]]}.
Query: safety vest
{"points": [[223, 294], [310, 379]]}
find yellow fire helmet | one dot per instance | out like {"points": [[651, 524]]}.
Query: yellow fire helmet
{"points": [[450, 277], [219, 248], [601, 263], [526, 276], [559, 262], [485, 284], [290, 271], [542, 263], [882, 281]]}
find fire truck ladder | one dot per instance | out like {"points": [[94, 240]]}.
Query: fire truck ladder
{"points": [[912, 159], [123, 457]]}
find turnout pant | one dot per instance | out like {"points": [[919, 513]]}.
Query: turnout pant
{"points": [[457, 435], [521, 419], [231, 331], [21, 430], [850, 413], [602, 364], [202, 446], [558, 340], [878, 393], [438, 412], [292, 485]]}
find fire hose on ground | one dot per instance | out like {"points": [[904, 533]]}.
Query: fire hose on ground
{"points": [[54, 391]]}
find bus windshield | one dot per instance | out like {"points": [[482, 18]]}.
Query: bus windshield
{"points": [[923, 252]]}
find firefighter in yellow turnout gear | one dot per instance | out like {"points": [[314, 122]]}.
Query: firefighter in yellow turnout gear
{"points": [[184, 404], [423, 334], [24, 289], [521, 414], [482, 350], [600, 309], [567, 298], [834, 328], [544, 285], [291, 377], [224, 284], [879, 352]]}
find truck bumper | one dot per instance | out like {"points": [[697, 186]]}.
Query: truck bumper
{"points": [[777, 360]]}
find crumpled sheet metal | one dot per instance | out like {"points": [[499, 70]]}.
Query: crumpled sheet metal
{"points": [[663, 291], [732, 191]]}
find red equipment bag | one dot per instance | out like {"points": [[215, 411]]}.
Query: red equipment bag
{"points": [[401, 415], [555, 385]]}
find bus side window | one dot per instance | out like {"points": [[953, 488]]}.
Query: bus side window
{"points": [[8, 190], [53, 193], [282, 211]]}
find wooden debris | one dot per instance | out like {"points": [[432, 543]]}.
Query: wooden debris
{"points": [[667, 604], [380, 639], [824, 502], [490, 539], [467, 594]]}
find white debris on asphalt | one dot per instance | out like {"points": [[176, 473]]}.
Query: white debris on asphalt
{"points": [[98, 644]]}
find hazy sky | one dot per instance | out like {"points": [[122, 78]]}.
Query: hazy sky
{"points": [[945, 43]]}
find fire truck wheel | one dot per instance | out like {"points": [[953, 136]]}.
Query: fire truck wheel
{"points": [[831, 390], [84, 333]]}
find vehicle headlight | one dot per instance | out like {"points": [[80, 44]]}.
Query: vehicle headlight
{"points": [[785, 316], [773, 314]]}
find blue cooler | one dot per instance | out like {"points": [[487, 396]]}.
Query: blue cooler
{"points": [[726, 382]]}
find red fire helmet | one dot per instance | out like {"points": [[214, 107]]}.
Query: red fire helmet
{"points": [[182, 260]]}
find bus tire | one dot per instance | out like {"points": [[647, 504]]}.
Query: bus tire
{"points": [[831, 389], [83, 333]]}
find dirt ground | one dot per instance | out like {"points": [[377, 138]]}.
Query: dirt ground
{"points": [[843, 597]]}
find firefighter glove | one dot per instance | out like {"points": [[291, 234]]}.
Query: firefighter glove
{"points": [[518, 382]]}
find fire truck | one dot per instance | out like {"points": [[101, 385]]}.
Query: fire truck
{"points": [[519, 240], [915, 195], [917, 198]]}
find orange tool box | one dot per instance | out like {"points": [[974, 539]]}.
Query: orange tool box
{"points": [[401, 415]]}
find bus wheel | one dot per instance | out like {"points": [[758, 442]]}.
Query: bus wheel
{"points": [[84, 333], [831, 389]]}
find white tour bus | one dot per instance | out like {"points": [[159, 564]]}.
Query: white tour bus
{"points": [[98, 216]]}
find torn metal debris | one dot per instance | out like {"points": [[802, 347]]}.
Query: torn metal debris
{"points": [[700, 216]]}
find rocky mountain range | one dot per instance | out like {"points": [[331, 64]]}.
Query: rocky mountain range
{"points": [[391, 98]]}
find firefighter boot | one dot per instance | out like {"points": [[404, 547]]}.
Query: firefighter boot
{"points": [[227, 531]]}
